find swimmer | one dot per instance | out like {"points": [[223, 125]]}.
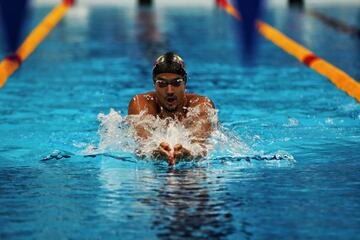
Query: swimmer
{"points": [[169, 101]]}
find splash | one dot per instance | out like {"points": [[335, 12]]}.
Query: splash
{"points": [[119, 134], [115, 134]]}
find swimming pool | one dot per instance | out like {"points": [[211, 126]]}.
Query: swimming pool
{"points": [[98, 58]]}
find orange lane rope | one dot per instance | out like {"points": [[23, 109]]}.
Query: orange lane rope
{"points": [[12, 62], [338, 77], [229, 8]]}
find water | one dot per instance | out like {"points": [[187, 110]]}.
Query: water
{"points": [[293, 166]]}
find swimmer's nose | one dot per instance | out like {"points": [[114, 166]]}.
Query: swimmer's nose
{"points": [[169, 89]]}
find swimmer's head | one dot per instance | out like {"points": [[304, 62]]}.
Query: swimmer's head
{"points": [[169, 62], [169, 78]]}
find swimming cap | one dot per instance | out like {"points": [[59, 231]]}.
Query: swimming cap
{"points": [[169, 62]]}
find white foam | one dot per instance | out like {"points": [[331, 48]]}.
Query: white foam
{"points": [[117, 133]]}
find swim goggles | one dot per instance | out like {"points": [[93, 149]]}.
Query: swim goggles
{"points": [[165, 83]]}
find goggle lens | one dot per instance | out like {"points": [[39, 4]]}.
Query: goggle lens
{"points": [[164, 83]]}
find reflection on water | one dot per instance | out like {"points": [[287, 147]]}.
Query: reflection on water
{"points": [[189, 206], [150, 39]]}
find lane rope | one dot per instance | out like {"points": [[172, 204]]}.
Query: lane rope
{"points": [[338, 77], [229, 8], [12, 62]]}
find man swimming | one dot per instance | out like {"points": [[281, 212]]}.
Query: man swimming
{"points": [[169, 101]]}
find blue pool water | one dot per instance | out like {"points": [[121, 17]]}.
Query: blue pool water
{"points": [[99, 57]]}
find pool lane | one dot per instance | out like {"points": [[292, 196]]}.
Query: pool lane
{"points": [[338, 77], [100, 63], [12, 62]]}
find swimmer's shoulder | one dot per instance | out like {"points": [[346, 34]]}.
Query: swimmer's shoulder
{"points": [[142, 102], [195, 100]]}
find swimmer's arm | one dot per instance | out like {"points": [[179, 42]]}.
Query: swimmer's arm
{"points": [[137, 106], [203, 125]]}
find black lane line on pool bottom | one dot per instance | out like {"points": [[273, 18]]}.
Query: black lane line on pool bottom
{"points": [[335, 23]]}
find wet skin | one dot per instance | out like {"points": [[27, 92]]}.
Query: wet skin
{"points": [[171, 101]]}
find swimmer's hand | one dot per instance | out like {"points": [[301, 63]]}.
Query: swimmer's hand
{"points": [[164, 151], [181, 153]]}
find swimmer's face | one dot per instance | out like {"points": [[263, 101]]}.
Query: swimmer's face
{"points": [[170, 91]]}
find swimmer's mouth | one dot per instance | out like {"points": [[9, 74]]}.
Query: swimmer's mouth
{"points": [[171, 99]]}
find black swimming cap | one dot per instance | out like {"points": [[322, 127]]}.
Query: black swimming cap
{"points": [[169, 62]]}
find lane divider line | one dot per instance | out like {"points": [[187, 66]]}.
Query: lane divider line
{"points": [[229, 8], [338, 77], [335, 23], [12, 62]]}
